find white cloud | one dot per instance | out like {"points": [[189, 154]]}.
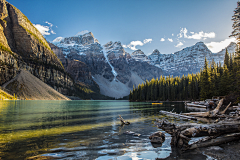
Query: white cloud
{"points": [[53, 32], [199, 35], [172, 34], [50, 24], [147, 41], [170, 40], [179, 44], [183, 32], [82, 33], [132, 45], [45, 30], [218, 46], [162, 40]]}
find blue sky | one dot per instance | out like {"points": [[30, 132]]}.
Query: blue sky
{"points": [[166, 25]]}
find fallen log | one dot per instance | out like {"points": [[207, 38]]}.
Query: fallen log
{"points": [[216, 110], [209, 114], [195, 105], [223, 112], [177, 115], [182, 134], [123, 121], [218, 141]]}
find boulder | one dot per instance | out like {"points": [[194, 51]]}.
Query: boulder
{"points": [[157, 137]]}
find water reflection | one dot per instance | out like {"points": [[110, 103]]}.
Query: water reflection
{"points": [[80, 129]]}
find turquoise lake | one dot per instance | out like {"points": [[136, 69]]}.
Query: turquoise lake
{"points": [[84, 130]]}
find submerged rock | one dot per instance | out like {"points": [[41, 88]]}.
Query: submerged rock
{"points": [[157, 137]]}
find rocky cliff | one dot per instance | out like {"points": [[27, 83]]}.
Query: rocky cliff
{"points": [[78, 70], [23, 47]]}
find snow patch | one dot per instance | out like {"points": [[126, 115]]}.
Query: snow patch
{"points": [[113, 70]]}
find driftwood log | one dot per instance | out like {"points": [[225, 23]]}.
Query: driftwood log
{"points": [[123, 121], [223, 112], [211, 114], [177, 115], [182, 134]]}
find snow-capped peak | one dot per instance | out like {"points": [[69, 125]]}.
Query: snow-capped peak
{"points": [[139, 55], [113, 46], [138, 52], [156, 52], [58, 40]]}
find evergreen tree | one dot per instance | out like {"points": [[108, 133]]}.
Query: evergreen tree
{"points": [[224, 83], [226, 59], [236, 23], [205, 81]]}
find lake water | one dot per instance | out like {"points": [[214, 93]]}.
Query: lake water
{"points": [[84, 130]]}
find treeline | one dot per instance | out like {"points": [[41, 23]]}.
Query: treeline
{"points": [[213, 80]]}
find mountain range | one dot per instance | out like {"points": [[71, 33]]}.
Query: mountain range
{"points": [[113, 69], [116, 71], [79, 66]]}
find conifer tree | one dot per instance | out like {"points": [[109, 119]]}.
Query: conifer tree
{"points": [[236, 23], [224, 83], [226, 59], [204, 81]]}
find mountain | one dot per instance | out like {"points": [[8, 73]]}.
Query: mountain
{"points": [[188, 60], [109, 66], [139, 55], [23, 47]]}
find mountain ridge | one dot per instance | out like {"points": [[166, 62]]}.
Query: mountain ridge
{"points": [[110, 65], [188, 60]]}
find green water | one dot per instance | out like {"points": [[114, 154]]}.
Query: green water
{"points": [[83, 130]]}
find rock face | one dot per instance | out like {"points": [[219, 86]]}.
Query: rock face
{"points": [[23, 47], [155, 58], [78, 70], [113, 69], [188, 60]]}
